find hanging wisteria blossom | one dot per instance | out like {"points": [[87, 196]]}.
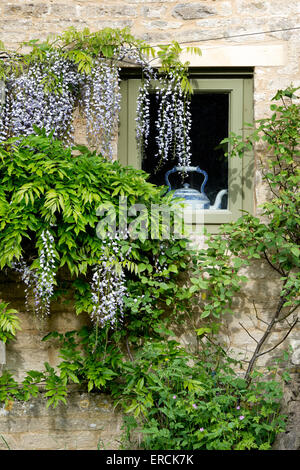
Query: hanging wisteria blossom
{"points": [[143, 116], [108, 285], [40, 282], [30, 102], [44, 288], [143, 103], [49, 90], [28, 276], [101, 99], [173, 123]]}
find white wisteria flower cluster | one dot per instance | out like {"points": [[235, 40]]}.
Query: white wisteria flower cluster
{"points": [[173, 123], [143, 115], [160, 264], [44, 288], [46, 96], [108, 285], [39, 282], [101, 98], [31, 100], [47, 93]]}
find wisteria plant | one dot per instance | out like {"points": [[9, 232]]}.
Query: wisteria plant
{"points": [[49, 201], [80, 69]]}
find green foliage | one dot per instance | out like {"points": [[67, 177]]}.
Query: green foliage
{"points": [[9, 322], [43, 183], [86, 359], [83, 47], [44, 186], [275, 237], [169, 55], [177, 399], [182, 401], [215, 273], [157, 298]]}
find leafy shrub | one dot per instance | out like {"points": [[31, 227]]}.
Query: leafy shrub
{"points": [[175, 399], [86, 359], [182, 401], [46, 188]]}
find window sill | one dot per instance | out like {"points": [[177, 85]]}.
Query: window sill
{"points": [[207, 216]]}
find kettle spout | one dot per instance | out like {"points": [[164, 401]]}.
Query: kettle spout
{"points": [[218, 200]]}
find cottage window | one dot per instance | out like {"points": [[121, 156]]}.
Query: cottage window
{"points": [[222, 102]]}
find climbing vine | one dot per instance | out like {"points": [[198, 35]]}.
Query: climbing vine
{"points": [[82, 69]]}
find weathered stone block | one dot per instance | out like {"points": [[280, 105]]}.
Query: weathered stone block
{"points": [[64, 10], [253, 7], [268, 8], [149, 1], [256, 290], [106, 10], [193, 11], [58, 440], [153, 12], [224, 8], [25, 10], [31, 425], [158, 24], [259, 269], [295, 359], [20, 361], [107, 23], [9, 441]]}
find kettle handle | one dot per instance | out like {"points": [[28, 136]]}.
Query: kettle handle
{"points": [[186, 169]]}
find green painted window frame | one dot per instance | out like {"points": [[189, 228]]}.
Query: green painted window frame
{"points": [[239, 85]]}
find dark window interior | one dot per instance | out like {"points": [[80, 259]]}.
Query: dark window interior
{"points": [[210, 124]]}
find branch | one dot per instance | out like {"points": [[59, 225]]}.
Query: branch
{"points": [[128, 349], [282, 273], [256, 314], [264, 337], [248, 333], [269, 183], [215, 344], [285, 336], [288, 314]]}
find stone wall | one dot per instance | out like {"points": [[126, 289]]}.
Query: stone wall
{"points": [[88, 422], [276, 54], [275, 58], [290, 439]]}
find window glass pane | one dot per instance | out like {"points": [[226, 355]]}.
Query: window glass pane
{"points": [[210, 124]]}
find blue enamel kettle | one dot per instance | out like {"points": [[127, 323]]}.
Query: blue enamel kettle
{"points": [[194, 198]]}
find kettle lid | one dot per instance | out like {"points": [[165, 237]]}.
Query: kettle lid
{"points": [[189, 193]]}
